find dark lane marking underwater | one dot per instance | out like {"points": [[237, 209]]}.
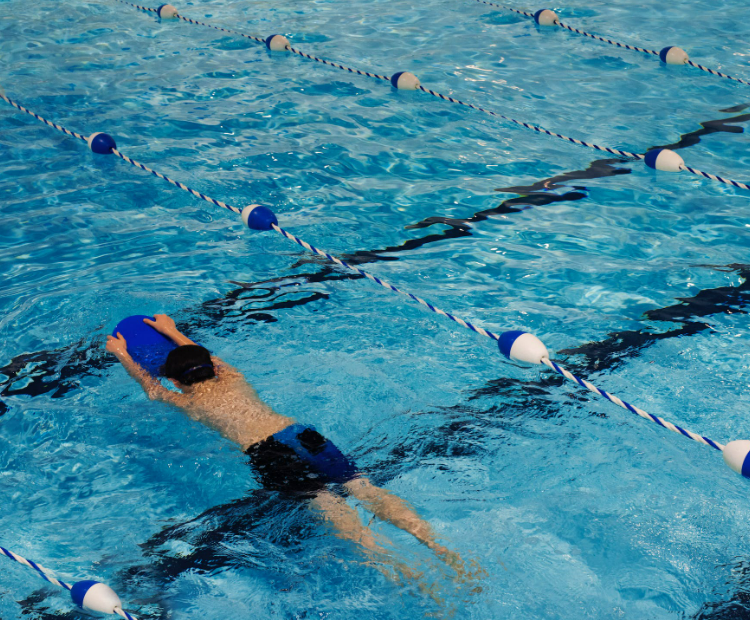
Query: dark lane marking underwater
{"points": [[537, 194], [736, 108], [618, 347], [461, 228], [32, 606]]}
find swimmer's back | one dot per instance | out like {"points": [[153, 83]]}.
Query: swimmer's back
{"points": [[229, 404]]}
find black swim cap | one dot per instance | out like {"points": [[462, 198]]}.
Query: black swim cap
{"points": [[189, 364]]}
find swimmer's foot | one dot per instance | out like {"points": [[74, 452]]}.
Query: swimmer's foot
{"points": [[393, 569], [474, 572], [451, 558], [402, 574]]}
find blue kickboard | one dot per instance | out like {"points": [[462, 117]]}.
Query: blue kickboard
{"points": [[146, 346]]}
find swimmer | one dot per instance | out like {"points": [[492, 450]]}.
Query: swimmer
{"points": [[288, 457]]}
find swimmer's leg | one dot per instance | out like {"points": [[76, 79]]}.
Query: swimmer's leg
{"points": [[348, 526], [345, 520], [391, 508]]}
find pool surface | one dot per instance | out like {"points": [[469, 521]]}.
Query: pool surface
{"points": [[635, 279]]}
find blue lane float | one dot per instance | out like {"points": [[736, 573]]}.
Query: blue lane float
{"points": [[522, 347], [101, 143], [95, 596], [516, 345], [258, 217]]}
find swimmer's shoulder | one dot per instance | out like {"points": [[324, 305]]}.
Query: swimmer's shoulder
{"points": [[164, 395], [226, 372]]}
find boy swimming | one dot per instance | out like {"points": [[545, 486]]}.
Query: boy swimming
{"points": [[288, 457]]}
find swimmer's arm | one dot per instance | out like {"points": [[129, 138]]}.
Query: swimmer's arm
{"points": [[154, 390], [165, 325]]}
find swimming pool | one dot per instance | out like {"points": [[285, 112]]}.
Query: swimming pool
{"points": [[636, 279]]}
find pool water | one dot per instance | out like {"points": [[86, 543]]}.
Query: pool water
{"points": [[636, 279]]}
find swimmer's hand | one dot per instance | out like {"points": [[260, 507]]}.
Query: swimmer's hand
{"points": [[118, 346], [151, 386], [166, 326], [162, 324]]}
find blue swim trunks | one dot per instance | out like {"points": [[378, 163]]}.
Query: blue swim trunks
{"points": [[300, 461]]}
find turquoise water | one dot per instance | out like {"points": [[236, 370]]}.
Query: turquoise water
{"points": [[635, 279]]}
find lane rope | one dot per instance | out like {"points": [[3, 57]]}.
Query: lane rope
{"points": [[404, 80], [671, 55], [91, 595]]}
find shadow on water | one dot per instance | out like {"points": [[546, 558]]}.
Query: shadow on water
{"points": [[735, 606], [263, 531], [725, 125], [270, 529], [538, 193], [619, 346]]}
